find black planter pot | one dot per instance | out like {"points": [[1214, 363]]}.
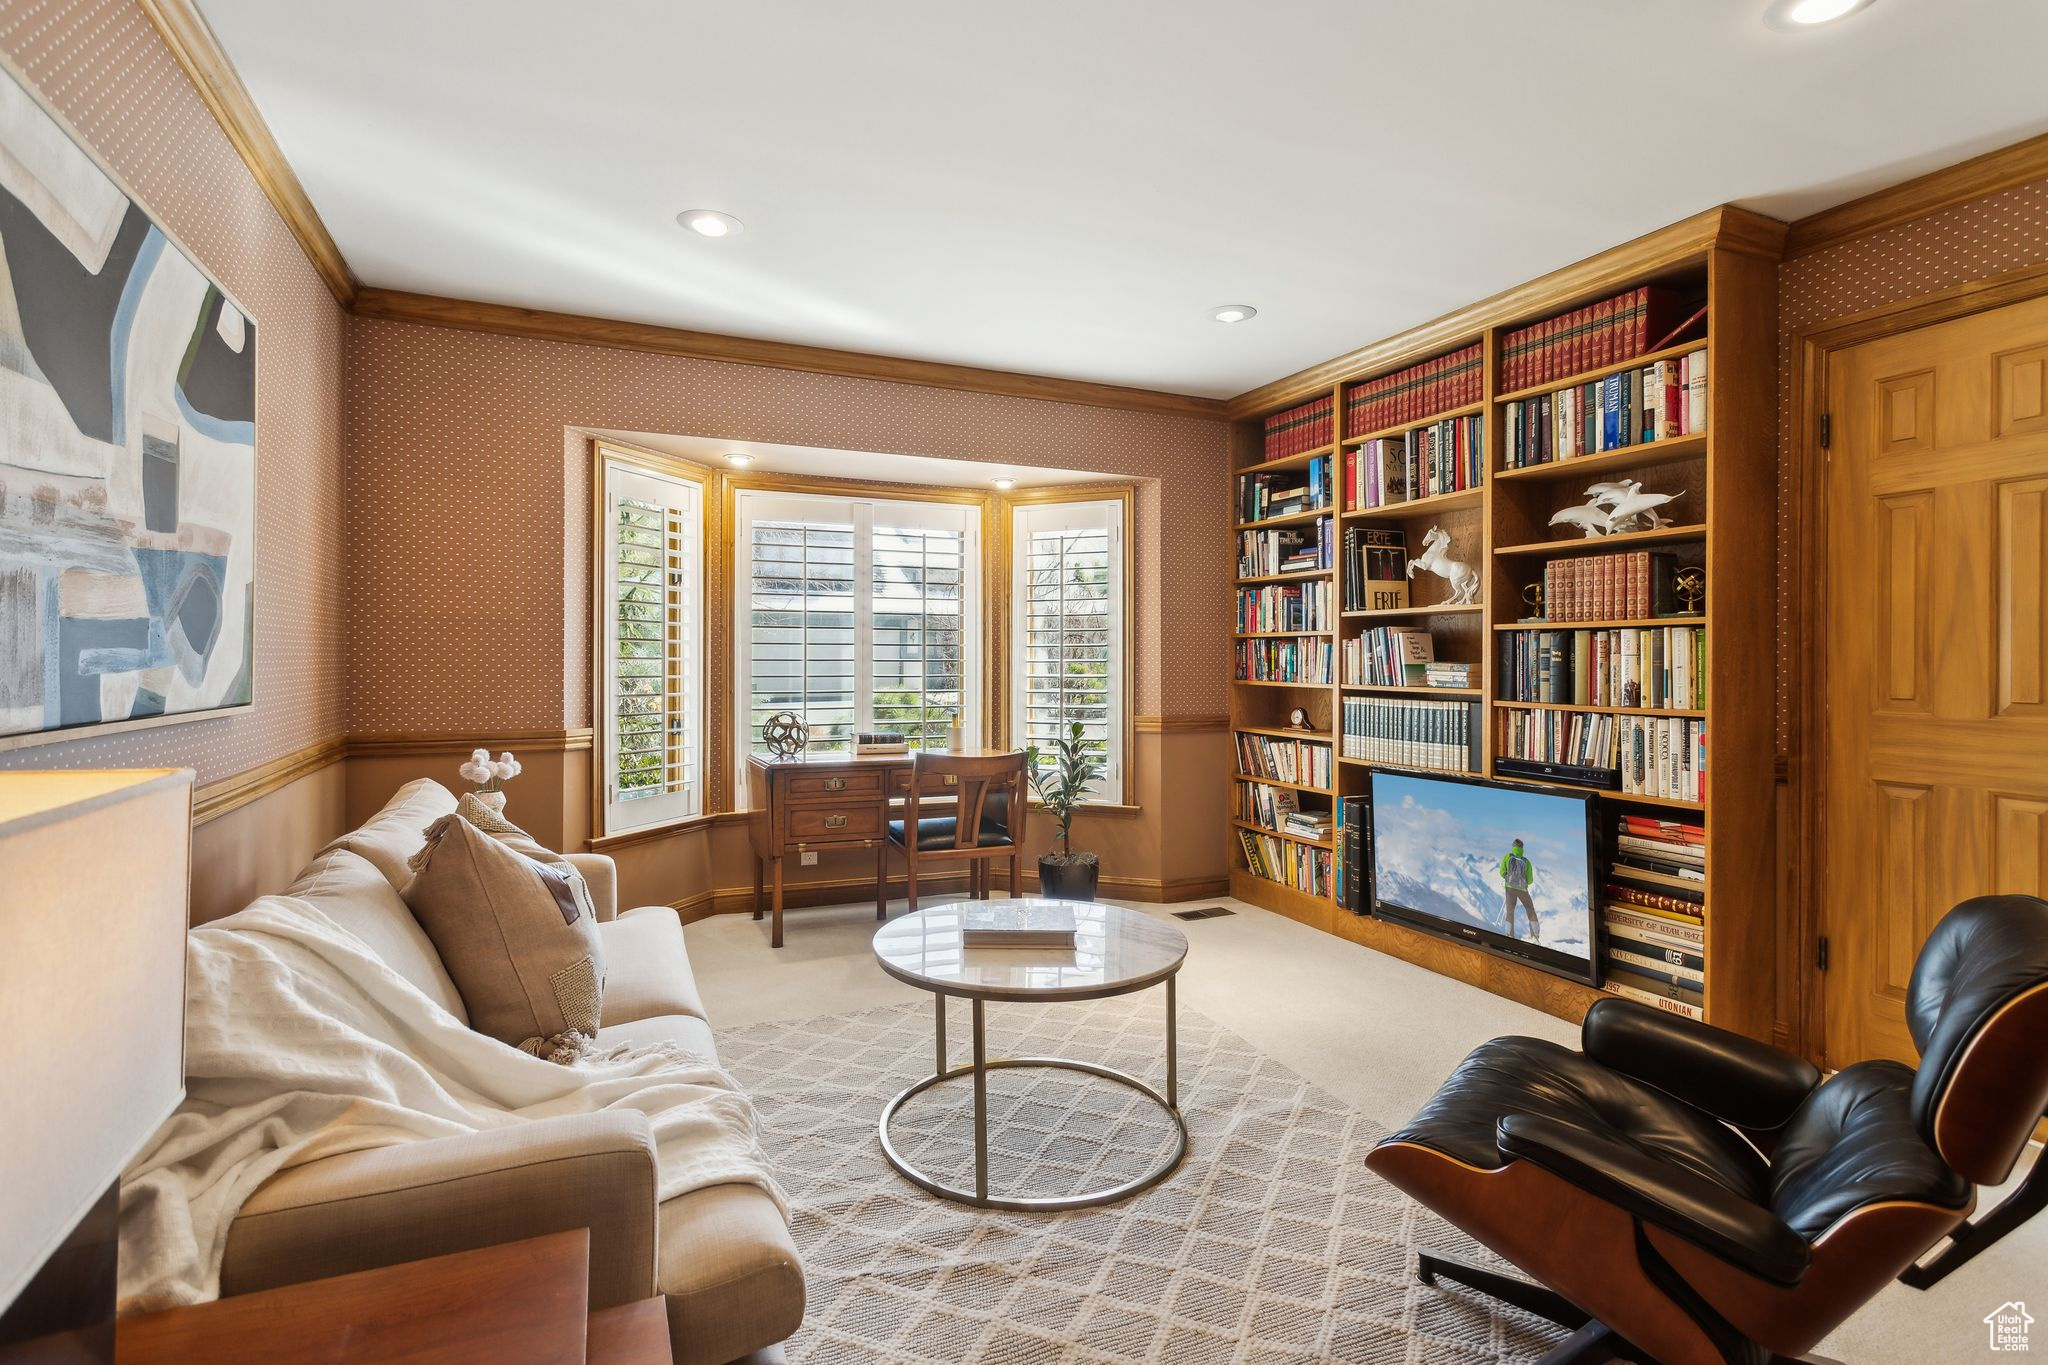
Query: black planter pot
{"points": [[1068, 879]]}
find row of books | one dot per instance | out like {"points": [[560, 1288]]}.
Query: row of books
{"points": [[1387, 656], [1354, 814], [1580, 738], [1278, 808], [1285, 606], [1417, 393], [1669, 855], [1284, 549], [1443, 736], [1305, 426], [1624, 585], [1443, 457], [1306, 661], [1284, 760], [1375, 568], [1633, 408], [1644, 319], [1301, 866], [1653, 914], [1663, 756], [1659, 668], [1282, 494]]}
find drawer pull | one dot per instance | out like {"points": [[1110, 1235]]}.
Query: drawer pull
{"points": [[952, 779], [835, 784], [835, 822]]}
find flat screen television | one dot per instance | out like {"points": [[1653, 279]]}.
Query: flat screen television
{"points": [[1503, 866]]}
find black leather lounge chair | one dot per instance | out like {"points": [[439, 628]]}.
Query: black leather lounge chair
{"points": [[1686, 1195]]}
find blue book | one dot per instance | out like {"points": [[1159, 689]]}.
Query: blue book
{"points": [[1610, 412]]}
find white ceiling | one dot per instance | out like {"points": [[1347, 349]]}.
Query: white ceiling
{"points": [[1067, 187], [866, 465]]}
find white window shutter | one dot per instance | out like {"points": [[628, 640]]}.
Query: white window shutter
{"points": [[1068, 651], [652, 654]]}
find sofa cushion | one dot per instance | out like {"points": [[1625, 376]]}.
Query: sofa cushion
{"points": [[686, 1031], [647, 968], [517, 935], [391, 836], [349, 890], [729, 1269]]}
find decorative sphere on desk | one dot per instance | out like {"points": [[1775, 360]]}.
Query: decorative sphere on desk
{"points": [[784, 734]]}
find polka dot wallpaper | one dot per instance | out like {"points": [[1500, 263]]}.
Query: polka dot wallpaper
{"points": [[469, 508], [101, 65]]}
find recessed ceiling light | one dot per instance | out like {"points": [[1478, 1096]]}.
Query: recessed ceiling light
{"points": [[1234, 312], [1796, 16], [711, 223], [738, 460], [1005, 484]]}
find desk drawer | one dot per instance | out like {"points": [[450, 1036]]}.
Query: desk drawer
{"points": [[808, 787], [824, 824], [899, 784]]}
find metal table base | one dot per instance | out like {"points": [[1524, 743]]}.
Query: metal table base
{"points": [[979, 1068]]}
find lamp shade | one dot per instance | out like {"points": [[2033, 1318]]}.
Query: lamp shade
{"points": [[94, 871]]}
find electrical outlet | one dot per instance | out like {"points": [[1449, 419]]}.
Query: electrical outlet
{"points": [[807, 858]]}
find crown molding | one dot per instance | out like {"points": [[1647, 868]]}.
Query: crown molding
{"points": [[576, 329], [192, 42], [1930, 193]]}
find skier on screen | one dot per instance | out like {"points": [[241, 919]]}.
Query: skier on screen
{"points": [[1517, 875]]}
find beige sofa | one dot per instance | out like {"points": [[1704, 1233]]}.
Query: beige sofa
{"points": [[722, 1255]]}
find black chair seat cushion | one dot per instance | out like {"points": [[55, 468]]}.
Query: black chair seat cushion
{"points": [[1853, 1143], [936, 832], [1538, 1078]]}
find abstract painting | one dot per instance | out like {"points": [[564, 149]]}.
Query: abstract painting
{"points": [[127, 453]]}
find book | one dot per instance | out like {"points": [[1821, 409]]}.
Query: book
{"points": [[1675, 999], [1441, 736], [1016, 924]]}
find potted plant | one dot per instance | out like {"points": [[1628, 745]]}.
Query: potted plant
{"points": [[1061, 783]]}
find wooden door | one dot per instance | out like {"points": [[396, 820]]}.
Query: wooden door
{"points": [[1935, 759]]}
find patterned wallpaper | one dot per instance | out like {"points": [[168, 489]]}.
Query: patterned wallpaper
{"points": [[103, 67], [1973, 241], [469, 508]]}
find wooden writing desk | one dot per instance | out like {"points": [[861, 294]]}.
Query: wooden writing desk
{"points": [[818, 801]]}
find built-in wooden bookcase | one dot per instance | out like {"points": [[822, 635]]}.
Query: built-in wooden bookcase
{"points": [[1724, 523]]}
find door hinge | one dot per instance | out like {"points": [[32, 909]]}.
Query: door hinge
{"points": [[1827, 430], [1820, 957]]}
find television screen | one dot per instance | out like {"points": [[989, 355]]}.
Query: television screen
{"points": [[1508, 868]]}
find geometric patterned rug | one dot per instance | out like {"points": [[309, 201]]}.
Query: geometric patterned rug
{"points": [[1271, 1245]]}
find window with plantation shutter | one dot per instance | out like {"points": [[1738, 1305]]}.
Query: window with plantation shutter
{"points": [[856, 615], [652, 699], [1067, 640]]}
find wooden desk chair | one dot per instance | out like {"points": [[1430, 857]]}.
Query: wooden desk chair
{"points": [[987, 822]]}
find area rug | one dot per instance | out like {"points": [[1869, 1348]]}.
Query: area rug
{"points": [[1272, 1243]]}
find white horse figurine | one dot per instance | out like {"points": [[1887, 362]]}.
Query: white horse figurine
{"points": [[1436, 558]]}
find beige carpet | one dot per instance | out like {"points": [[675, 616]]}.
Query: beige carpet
{"points": [[1272, 1243]]}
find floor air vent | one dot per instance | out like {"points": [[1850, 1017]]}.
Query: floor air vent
{"points": [[1206, 912]]}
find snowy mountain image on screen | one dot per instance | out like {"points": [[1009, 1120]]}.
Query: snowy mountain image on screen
{"points": [[1432, 856]]}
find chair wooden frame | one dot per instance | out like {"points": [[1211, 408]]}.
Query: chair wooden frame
{"points": [[972, 779]]}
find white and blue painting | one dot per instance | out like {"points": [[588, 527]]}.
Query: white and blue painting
{"points": [[127, 452]]}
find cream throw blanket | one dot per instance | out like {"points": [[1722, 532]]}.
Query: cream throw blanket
{"points": [[301, 1044]]}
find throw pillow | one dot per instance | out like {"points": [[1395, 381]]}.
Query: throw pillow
{"points": [[518, 935], [486, 810]]}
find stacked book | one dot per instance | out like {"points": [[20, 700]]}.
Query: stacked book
{"points": [[1306, 661], [1285, 549], [1283, 607], [1626, 585], [1661, 400], [1442, 457], [1577, 738], [1301, 866], [1663, 756], [1261, 497], [881, 742], [1306, 426], [1605, 333], [1653, 910], [1658, 668], [1442, 736], [1308, 824], [1375, 568], [1283, 760], [1448, 673], [1388, 656], [1417, 393]]}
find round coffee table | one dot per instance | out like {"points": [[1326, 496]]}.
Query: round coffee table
{"points": [[1116, 951]]}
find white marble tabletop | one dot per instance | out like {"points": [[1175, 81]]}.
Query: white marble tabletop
{"points": [[1115, 950]]}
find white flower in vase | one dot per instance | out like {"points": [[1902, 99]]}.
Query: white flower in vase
{"points": [[489, 774]]}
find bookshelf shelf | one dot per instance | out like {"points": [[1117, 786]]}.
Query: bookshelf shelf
{"points": [[1290, 519], [1285, 635], [1670, 450], [1287, 461], [1724, 260], [1282, 834], [1404, 768], [1628, 540], [1630, 798], [1288, 786], [1418, 507], [1588, 376], [1465, 410], [1596, 710]]}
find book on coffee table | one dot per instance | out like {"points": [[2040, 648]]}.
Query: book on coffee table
{"points": [[999, 924]]}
